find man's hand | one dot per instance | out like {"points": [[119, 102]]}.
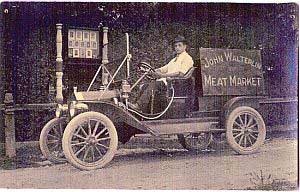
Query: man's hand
{"points": [[160, 74], [156, 74]]}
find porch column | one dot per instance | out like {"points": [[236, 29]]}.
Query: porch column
{"points": [[105, 56], [59, 63]]}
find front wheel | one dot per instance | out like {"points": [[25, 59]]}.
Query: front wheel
{"points": [[245, 130], [90, 141], [51, 140]]}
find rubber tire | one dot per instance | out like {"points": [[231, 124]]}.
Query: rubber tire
{"points": [[43, 138], [186, 146], [229, 136], [73, 124]]}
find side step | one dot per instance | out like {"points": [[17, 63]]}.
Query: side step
{"points": [[186, 125]]}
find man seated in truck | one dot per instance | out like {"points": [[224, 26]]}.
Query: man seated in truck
{"points": [[177, 67]]}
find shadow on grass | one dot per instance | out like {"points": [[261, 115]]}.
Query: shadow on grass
{"points": [[26, 157]]}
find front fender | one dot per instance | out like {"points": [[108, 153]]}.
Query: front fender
{"points": [[118, 114]]}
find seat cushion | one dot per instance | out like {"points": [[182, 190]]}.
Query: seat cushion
{"points": [[183, 88]]}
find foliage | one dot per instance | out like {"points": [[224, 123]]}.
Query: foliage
{"points": [[7, 163], [266, 182]]}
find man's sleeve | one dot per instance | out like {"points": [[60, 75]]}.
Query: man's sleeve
{"points": [[186, 64], [164, 69]]}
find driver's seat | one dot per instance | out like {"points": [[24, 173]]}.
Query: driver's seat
{"points": [[184, 88]]}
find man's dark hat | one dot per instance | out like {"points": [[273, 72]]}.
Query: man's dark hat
{"points": [[180, 38]]}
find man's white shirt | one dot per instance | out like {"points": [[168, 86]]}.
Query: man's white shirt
{"points": [[181, 63]]}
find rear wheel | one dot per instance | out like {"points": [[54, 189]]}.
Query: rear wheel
{"points": [[51, 140], [245, 130], [195, 141], [90, 141]]}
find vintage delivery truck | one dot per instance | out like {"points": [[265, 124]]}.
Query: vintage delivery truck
{"points": [[224, 93]]}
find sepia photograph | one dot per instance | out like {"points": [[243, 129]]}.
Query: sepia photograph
{"points": [[149, 95]]}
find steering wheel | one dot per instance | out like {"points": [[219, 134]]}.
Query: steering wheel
{"points": [[146, 68]]}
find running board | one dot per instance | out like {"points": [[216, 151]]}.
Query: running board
{"points": [[187, 125]]}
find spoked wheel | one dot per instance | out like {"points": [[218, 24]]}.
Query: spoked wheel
{"points": [[245, 130], [195, 141], [90, 141], [51, 140]]}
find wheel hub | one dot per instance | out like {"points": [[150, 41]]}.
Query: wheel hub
{"points": [[91, 140], [245, 130]]}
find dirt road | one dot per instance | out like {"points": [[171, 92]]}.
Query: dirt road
{"points": [[149, 168]]}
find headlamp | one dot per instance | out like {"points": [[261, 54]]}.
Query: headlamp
{"points": [[58, 110], [74, 107]]}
